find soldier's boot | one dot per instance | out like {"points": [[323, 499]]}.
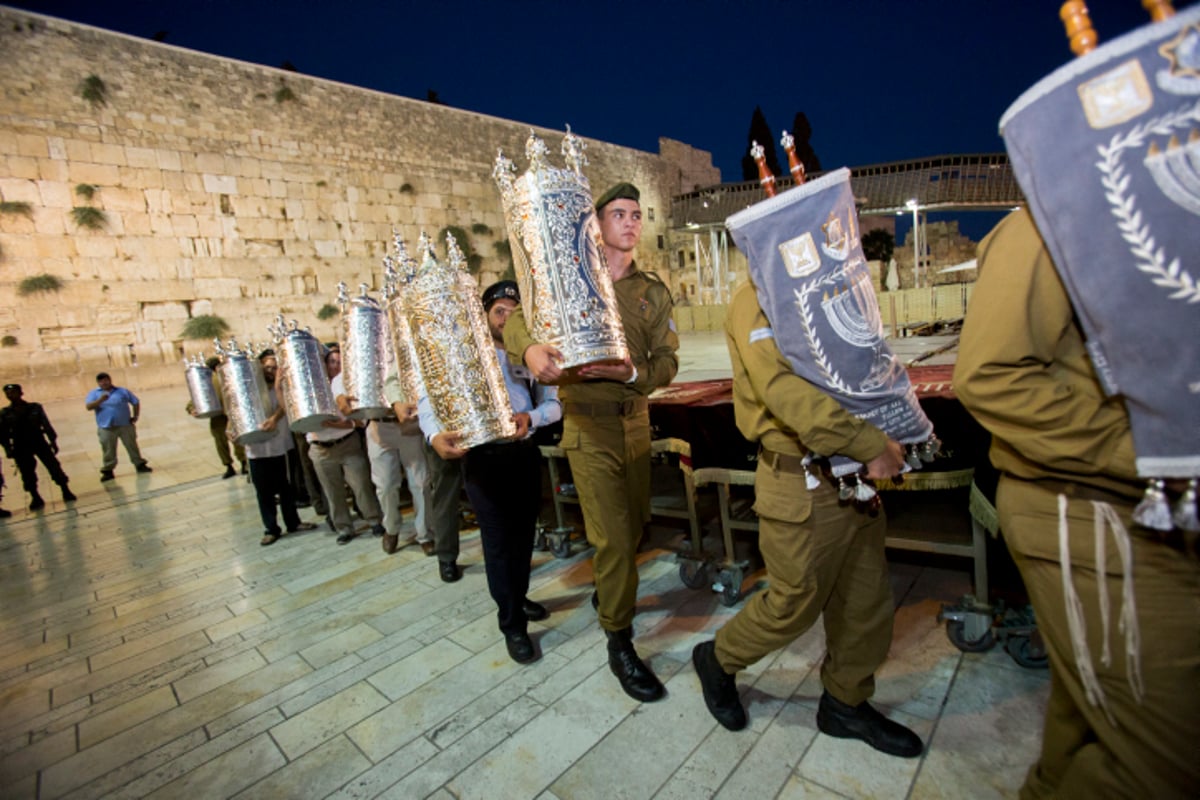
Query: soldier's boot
{"points": [[68, 495], [36, 502], [638, 681]]}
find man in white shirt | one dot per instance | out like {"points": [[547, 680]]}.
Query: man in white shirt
{"points": [[339, 459]]}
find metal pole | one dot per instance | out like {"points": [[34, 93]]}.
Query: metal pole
{"points": [[699, 284], [718, 277], [916, 246]]}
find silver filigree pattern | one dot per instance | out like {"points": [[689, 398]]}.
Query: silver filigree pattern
{"points": [[566, 290]]}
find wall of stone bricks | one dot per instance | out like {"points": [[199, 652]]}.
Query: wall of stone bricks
{"points": [[230, 189]]}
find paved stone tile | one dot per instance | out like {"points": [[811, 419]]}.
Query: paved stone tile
{"points": [[226, 774], [124, 716], [218, 674], [315, 774], [327, 719]]}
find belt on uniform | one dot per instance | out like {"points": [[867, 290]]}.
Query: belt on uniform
{"points": [[627, 408], [1082, 491], [784, 462], [331, 443]]}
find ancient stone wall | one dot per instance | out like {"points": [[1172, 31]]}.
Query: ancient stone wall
{"points": [[231, 189]]}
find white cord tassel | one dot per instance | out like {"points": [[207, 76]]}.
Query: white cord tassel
{"points": [[1128, 623], [1075, 621]]}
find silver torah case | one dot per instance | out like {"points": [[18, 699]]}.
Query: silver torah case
{"points": [[566, 291], [206, 402], [247, 399], [302, 385], [457, 357], [366, 354], [399, 272]]}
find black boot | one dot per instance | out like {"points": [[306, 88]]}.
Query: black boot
{"points": [[636, 678], [36, 503], [720, 688], [835, 718], [68, 495]]}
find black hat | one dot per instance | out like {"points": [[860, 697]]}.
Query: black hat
{"points": [[619, 191], [499, 291], [8, 386]]}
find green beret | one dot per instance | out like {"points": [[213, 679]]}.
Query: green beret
{"points": [[620, 191]]}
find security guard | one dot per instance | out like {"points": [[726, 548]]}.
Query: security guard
{"points": [[606, 429], [1065, 452], [823, 558], [27, 437]]}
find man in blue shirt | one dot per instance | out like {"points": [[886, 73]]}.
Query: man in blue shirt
{"points": [[503, 480], [115, 420]]}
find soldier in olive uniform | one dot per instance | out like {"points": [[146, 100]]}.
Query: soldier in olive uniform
{"points": [[823, 557], [1065, 451], [606, 429]]}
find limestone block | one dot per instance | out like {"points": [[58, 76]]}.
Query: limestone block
{"points": [[208, 247], [160, 224], [109, 154], [330, 248], [79, 150], [277, 188], [217, 288], [211, 163], [210, 227], [20, 190], [96, 247], [95, 174], [54, 247], [148, 332], [259, 187], [73, 316], [120, 198], [220, 184], [52, 170], [173, 181], [246, 167], [141, 157], [141, 178], [55, 194], [193, 183], [20, 167], [294, 248], [170, 311], [184, 225], [168, 160], [202, 307], [158, 201]]}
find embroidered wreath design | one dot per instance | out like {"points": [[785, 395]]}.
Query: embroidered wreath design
{"points": [[1151, 259], [831, 376]]}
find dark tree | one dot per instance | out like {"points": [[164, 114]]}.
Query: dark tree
{"points": [[289, 66], [878, 244], [804, 150], [431, 96], [160, 36], [760, 132]]}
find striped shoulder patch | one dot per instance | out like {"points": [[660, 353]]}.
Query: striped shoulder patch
{"points": [[758, 334]]}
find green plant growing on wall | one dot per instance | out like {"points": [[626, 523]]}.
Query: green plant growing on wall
{"points": [[204, 326], [89, 217], [86, 190], [284, 94], [481, 229], [8, 341], [93, 90], [407, 189], [39, 283], [328, 311], [16, 207]]}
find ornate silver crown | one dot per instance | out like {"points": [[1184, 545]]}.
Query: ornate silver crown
{"points": [[566, 291]]}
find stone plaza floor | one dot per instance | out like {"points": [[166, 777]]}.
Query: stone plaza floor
{"points": [[150, 647]]}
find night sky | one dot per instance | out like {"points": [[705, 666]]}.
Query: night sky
{"points": [[879, 81]]}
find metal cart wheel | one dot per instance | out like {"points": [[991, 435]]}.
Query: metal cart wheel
{"points": [[560, 545], [539, 539], [730, 581], [695, 574], [972, 640], [1027, 652]]}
